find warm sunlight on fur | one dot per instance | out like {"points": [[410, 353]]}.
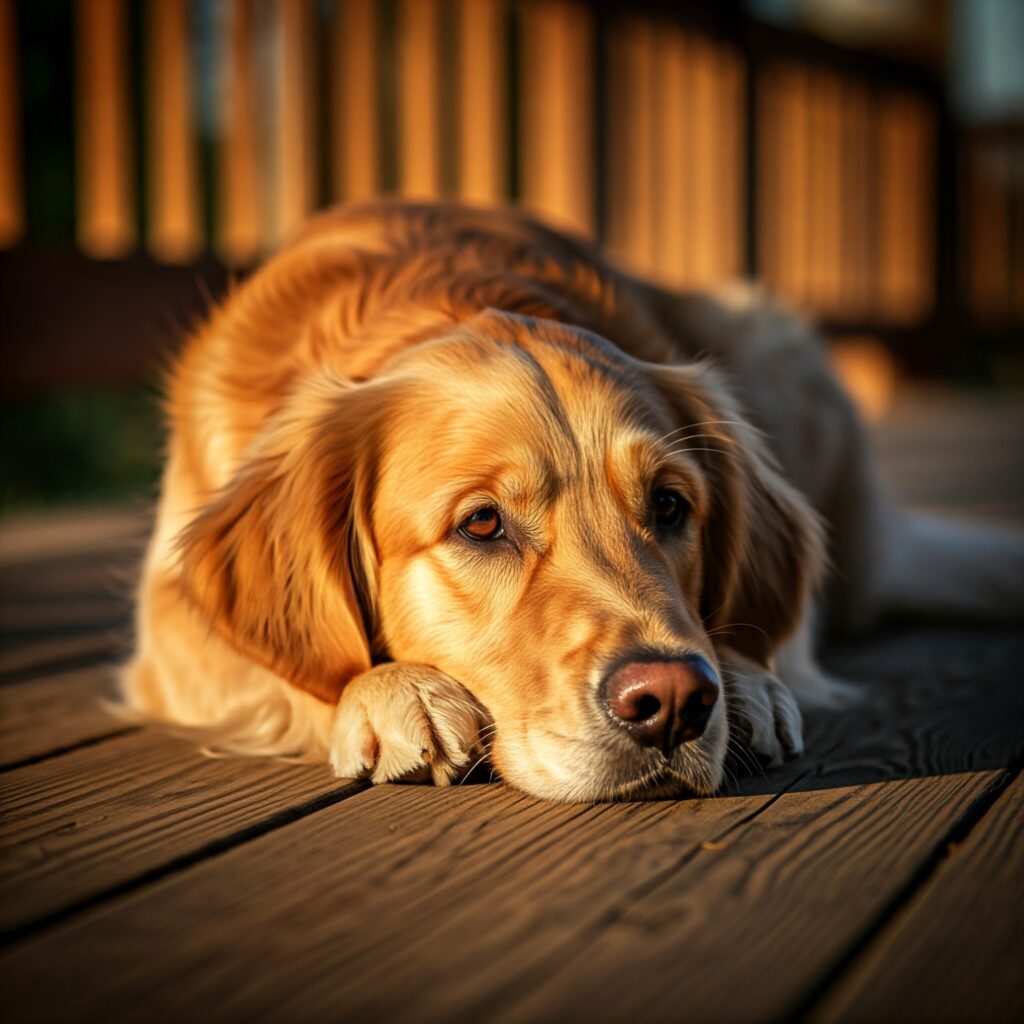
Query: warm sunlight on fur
{"points": [[443, 486]]}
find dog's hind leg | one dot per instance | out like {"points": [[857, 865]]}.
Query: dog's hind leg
{"points": [[939, 569]]}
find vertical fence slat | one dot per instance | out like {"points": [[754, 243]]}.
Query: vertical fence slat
{"points": [[104, 149], [12, 200], [174, 229], [419, 98], [355, 127], [922, 131], [906, 182], [855, 298], [293, 134], [670, 132], [792, 175], [238, 229], [483, 101], [732, 160], [986, 263], [824, 258], [768, 187], [633, 160], [557, 96], [704, 141]]}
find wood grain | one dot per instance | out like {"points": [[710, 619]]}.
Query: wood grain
{"points": [[937, 701], [34, 658], [407, 904], [955, 952], [99, 817], [363, 903], [42, 716], [743, 929]]}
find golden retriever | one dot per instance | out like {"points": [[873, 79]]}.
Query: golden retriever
{"points": [[443, 484]]}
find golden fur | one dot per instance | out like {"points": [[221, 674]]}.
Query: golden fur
{"points": [[307, 592]]}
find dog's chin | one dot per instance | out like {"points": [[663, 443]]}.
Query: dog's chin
{"points": [[582, 772]]}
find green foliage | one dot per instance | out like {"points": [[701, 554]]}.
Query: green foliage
{"points": [[79, 447]]}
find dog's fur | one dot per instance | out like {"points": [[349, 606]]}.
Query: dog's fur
{"points": [[307, 592]]}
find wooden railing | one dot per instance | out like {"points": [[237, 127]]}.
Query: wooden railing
{"points": [[695, 150]]}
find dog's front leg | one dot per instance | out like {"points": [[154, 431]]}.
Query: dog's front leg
{"points": [[406, 722], [763, 713]]}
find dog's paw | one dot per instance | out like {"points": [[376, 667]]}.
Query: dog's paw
{"points": [[763, 715], [408, 723]]}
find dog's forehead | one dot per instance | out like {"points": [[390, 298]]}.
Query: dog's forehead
{"points": [[553, 385]]}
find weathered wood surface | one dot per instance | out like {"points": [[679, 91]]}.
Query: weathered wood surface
{"points": [[48, 716], [964, 925], [104, 816], [875, 878]]}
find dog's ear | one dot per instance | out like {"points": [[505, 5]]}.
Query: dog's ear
{"points": [[280, 561], [762, 551]]}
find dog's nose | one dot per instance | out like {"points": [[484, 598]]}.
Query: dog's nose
{"points": [[662, 703]]}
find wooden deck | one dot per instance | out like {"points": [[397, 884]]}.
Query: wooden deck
{"points": [[878, 878]]}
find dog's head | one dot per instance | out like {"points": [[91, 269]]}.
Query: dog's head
{"points": [[573, 535]]}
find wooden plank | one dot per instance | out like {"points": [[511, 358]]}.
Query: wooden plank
{"points": [[791, 177], [105, 157], [483, 101], [556, 112], [238, 231], [825, 198], [43, 535], [747, 925], [378, 895], [12, 197], [383, 892], [858, 265], [356, 149], [906, 195], [937, 700], [391, 868], [705, 138], [731, 163], [769, 184], [102, 816], [955, 952], [985, 262], [673, 164], [419, 98], [175, 233], [29, 659], [632, 171], [67, 585], [294, 182], [44, 716]]}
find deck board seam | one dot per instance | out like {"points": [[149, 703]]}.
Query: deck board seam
{"points": [[59, 666], [176, 865], [68, 748], [943, 849]]}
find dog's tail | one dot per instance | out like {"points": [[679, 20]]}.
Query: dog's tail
{"points": [[929, 567]]}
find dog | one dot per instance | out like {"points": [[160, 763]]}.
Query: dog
{"points": [[443, 484]]}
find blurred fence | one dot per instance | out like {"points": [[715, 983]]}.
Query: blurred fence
{"points": [[697, 144]]}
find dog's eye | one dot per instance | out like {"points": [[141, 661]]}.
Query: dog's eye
{"points": [[484, 524], [670, 509]]}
